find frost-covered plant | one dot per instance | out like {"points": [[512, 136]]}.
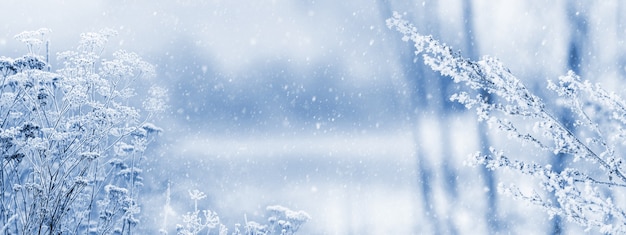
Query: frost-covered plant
{"points": [[579, 189], [284, 220], [34, 39], [70, 143], [192, 222], [281, 220]]}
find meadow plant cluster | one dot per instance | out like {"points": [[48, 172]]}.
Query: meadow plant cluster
{"points": [[280, 221], [71, 142], [585, 189]]}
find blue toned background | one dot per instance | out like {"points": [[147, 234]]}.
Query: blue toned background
{"points": [[318, 106]]}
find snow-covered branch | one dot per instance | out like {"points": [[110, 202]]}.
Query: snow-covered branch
{"points": [[600, 120]]}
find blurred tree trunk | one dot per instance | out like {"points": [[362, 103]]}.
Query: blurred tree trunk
{"points": [[428, 95], [414, 90], [577, 22], [442, 108], [471, 47]]}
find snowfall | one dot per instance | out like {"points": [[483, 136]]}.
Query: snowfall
{"points": [[319, 106]]}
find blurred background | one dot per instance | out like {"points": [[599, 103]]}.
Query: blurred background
{"points": [[318, 106]]}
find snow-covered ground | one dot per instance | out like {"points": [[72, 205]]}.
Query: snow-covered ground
{"points": [[349, 183]]}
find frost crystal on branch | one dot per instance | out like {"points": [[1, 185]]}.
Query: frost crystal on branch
{"points": [[600, 118]]}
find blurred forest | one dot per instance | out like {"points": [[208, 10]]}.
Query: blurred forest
{"points": [[318, 106]]}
